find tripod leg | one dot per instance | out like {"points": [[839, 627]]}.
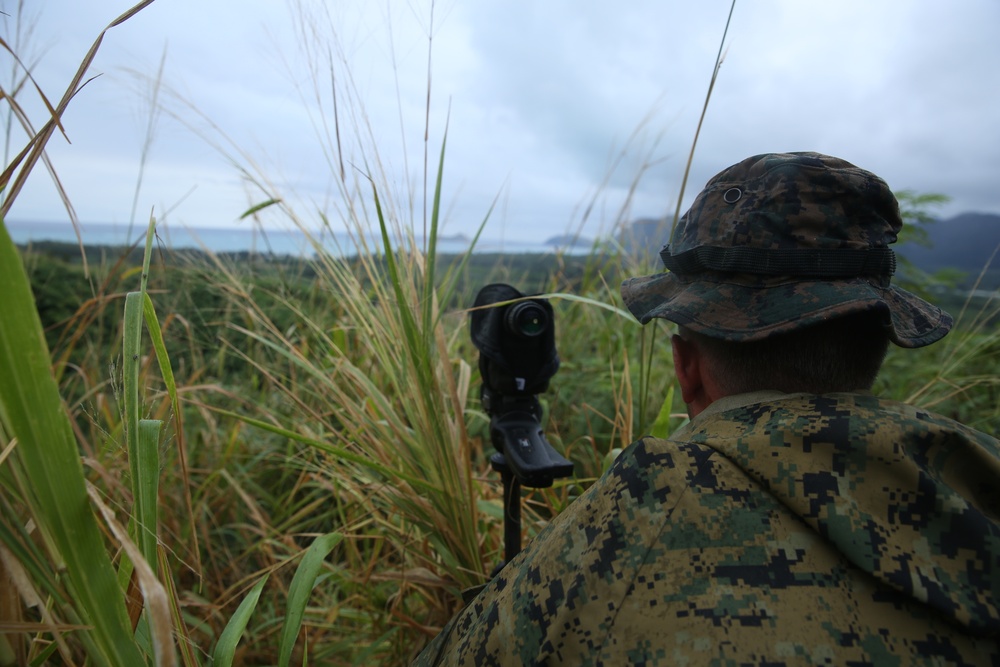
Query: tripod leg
{"points": [[511, 515]]}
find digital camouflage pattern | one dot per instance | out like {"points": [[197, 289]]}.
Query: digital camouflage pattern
{"points": [[781, 241], [771, 530]]}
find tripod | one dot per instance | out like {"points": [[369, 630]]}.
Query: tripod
{"points": [[523, 458], [516, 341]]}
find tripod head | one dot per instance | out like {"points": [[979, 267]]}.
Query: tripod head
{"points": [[517, 358]]}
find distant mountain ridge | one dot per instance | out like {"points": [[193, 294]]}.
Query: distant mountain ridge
{"points": [[965, 242]]}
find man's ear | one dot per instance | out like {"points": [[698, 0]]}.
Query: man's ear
{"points": [[687, 368]]}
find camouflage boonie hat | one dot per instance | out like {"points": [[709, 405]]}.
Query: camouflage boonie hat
{"points": [[783, 241]]}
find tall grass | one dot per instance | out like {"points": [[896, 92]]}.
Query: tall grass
{"points": [[958, 376], [77, 582], [259, 462], [58, 561]]}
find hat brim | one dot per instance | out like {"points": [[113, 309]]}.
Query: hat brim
{"points": [[730, 309]]}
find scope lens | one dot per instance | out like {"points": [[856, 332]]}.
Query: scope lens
{"points": [[527, 319]]}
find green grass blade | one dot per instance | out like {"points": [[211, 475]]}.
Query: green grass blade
{"points": [[429, 282], [156, 338], [258, 208], [454, 276], [142, 436], [147, 486], [299, 592], [131, 351], [167, 373], [225, 649], [409, 324], [662, 426], [32, 410], [147, 254], [334, 450]]}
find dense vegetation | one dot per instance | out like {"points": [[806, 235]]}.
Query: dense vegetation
{"points": [[258, 496], [253, 460], [287, 287], [267, 454]]}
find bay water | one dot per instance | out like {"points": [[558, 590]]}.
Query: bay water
{"points": [[292, 242]]}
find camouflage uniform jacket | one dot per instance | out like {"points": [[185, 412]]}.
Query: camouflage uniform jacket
{"points": [[796, 530]]}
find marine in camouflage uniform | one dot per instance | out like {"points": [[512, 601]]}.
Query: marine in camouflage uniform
{"points": [[774, 528]]}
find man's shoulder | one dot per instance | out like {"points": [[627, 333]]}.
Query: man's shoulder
{"points": [[649, 473], [856, 415]]}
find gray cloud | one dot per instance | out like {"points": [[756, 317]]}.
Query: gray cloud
{"points": [[543, 99]]}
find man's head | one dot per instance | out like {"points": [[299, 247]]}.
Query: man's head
{"points": [[781, 243]]}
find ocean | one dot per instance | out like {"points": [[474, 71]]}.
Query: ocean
{"points": [[249, 239]]}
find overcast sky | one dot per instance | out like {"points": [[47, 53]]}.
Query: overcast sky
{"points": [[550, 106]]}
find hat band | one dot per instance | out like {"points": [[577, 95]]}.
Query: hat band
{"points": [[811, 262]]}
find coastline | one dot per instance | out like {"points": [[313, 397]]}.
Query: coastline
{"points": [[256, 241]]}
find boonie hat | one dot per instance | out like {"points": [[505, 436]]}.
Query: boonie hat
{"points": [[779, 242]]}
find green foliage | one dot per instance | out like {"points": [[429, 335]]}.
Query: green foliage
{"points": [[225, 649], [916, 211], [958, 377], [323, 411], [300, 591], [287, 376], [45, 474]]}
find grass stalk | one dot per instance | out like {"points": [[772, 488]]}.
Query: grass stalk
{"points": [[52, 485], [225, 648]]}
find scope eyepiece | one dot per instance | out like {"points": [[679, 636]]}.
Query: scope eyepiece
{"points": [[526, 319]]}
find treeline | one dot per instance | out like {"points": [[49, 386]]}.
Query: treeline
{"points": [[70, 292], [185, 278]]}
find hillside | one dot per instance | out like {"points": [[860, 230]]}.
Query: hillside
{"points": [[965, 242]]}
